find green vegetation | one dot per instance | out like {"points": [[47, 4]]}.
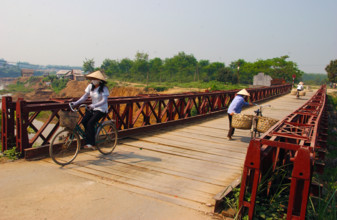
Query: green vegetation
{"points": [[185, 68], [18, 87], [314, 79], [7, 70], [324, 207], [331, 69], [58, 84], [88, 65], [111, 84], [12, 154], [26, 86]]}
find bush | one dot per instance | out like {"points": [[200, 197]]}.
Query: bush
{"points": [[111, 84], [12, 154], [59, 84], [160, 88]]}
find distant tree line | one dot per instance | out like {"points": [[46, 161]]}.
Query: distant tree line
{"points": [[186, 68], [314, 78], [8, 70]]}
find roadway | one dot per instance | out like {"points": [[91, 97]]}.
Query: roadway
{"points": [[172, 173]]}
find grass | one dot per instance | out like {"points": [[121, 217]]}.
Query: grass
{"points": [[18, 87], [324, 206]]}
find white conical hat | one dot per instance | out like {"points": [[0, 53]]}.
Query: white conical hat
{"points": [[96, 75], [243, 92]]}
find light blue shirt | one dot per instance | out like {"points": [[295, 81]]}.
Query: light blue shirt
{"points": [[237, 104]]}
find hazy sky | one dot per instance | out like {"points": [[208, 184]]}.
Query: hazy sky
{"points": [[66, 32]]}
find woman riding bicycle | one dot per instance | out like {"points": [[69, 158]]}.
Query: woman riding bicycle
{"points": [[99, 92]]}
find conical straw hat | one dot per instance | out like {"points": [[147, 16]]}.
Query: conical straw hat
{"points": [[96, 75], [243, 92]]}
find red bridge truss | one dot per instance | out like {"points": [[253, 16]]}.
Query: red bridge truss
{"points": [[132, 114], [298, 140]]}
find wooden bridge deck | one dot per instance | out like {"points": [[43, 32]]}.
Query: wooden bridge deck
{"points": [[186, 165]]}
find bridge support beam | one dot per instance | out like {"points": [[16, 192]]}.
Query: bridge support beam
{"points": [[7, 128]]}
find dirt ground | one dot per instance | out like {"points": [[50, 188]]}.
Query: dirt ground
{"points": [[39, 190]]}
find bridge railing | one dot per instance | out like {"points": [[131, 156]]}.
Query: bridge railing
{"points": [[296, 143], [21, 128]]}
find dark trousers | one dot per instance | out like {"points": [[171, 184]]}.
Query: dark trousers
{"points": [[231, 129], [89, 121]]}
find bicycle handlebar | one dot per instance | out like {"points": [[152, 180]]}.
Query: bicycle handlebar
{"points": [[258, 112], [262, 105], [76, 109]]}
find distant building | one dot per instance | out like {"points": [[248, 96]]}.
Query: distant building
{"points": [[78, 75], [262, 80], [62, 73], [27, 72], [71, 74]]}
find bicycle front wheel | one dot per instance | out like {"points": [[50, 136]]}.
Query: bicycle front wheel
{"points": [[64, 147], [254, 134], [106, 137]]}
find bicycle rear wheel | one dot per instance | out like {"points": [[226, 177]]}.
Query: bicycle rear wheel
{"points": [[106, 137], [64, 147]]}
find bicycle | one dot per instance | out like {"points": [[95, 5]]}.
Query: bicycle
{"points": [[298, 93], [66, 144], [258, 113]]}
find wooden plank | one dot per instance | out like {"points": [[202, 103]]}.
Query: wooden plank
{"points": [[168, 161], [177, 170], [146, 178], [184, 189], [206, 134], [188, 137], [205, 148], [233, 146], [190, 154], [204, 207]]}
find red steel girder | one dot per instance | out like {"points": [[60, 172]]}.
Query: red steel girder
{"points": [[169, 107], [299, 135]]}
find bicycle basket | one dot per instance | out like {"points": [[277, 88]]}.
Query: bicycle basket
{"points": [[293, 92], [242, 121], [68, 119], [264, 123]]}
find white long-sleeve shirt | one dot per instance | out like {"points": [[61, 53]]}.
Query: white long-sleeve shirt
{"points": [[300, 87], [99, 100]]}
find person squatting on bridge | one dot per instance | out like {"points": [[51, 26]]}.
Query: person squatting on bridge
{"points": [[99, 92], [235, 108]]}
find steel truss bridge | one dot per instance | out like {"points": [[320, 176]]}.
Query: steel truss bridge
{"points": [[298, 139]]}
